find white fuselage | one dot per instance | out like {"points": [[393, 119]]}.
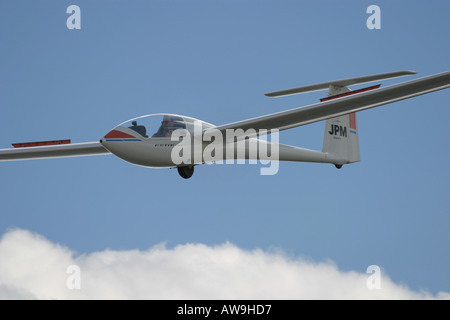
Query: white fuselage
{"points": [[163, 152]]}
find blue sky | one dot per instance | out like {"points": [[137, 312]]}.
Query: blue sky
{"points": [[213, 60]]}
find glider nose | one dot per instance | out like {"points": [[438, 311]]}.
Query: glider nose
{"points": [[117, 135]]}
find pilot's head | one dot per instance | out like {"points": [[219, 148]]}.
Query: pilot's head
{"points": [[167, 121]]}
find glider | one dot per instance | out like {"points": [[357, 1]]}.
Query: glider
{"points": [[176, 141]]}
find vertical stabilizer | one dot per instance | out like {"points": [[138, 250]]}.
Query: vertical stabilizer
{"points": [[341, 138], [341, 133]]}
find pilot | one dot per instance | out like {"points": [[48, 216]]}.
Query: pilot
{"points": [[167, 125]]}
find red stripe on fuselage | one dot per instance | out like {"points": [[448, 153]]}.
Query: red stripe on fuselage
{"points": [[114, 134]]}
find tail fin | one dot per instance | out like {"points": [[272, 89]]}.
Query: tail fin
{"points": [[341, 139]]}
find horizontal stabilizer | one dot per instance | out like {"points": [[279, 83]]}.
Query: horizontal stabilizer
{"points": [[339, 83]]}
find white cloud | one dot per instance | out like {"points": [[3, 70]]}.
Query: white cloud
{"points": [[33, 267]]}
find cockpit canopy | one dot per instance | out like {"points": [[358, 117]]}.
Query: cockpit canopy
{"points": [[162, 125]]}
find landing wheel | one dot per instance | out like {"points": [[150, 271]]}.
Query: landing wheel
{"points": [[338, 166], [186, 172]]}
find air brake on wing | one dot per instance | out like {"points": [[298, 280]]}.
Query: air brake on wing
{"points": [[345, 94], [40, 143]]}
